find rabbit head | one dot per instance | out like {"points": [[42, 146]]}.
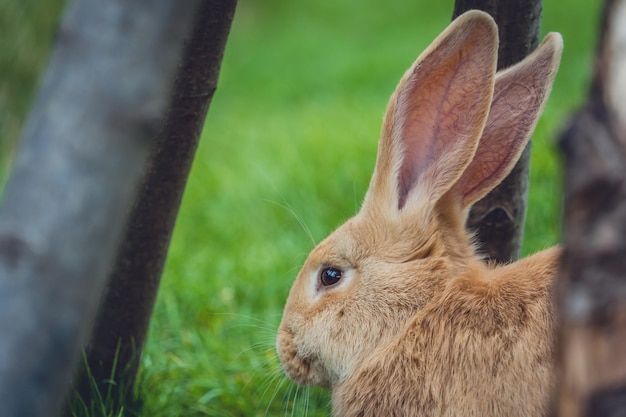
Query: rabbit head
{"points": [[452, 131]]}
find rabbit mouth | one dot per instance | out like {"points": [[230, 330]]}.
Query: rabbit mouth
{"points": [[301, 370]]}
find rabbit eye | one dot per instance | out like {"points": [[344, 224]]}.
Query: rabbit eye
{"points": [[330, 276]]}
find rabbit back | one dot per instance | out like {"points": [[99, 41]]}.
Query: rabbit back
{"points": [[484, 347]]}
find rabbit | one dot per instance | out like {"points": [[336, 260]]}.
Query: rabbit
{"points": [[395, 311]]}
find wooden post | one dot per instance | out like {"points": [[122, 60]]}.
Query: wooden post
{"points": [[499, 217]]}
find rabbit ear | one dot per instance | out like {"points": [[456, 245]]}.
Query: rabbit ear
{"points": [[518, 99], [435, 117]]}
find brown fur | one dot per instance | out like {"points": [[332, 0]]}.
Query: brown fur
{"points": [[419, 325]]}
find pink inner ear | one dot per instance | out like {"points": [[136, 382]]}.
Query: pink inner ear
{"points": [[441, 112], [510, 119], [435, 118], [519, 95]]}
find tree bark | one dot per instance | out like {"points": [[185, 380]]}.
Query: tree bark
{"points": [[592, 290], [498, 218], [81, 158], [118, 337]]}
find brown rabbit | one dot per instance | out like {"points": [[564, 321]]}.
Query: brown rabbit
{"points": [[395, 311]]}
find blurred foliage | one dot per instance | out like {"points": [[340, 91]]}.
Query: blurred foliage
{"points": [[27, 30]]}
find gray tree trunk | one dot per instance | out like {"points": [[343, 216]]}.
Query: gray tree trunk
{"points": [[81, 158], [498, 218], [592, 290], [118, 337]]}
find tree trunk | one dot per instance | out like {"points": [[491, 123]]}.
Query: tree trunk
{"points": [[118, 337], [81, 158], [498, 218], [592, 291]]}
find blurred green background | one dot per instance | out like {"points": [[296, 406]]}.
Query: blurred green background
{"points": [[286, 156]]}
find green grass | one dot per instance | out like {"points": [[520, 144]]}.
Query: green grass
{"points": [[286, 155]]}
